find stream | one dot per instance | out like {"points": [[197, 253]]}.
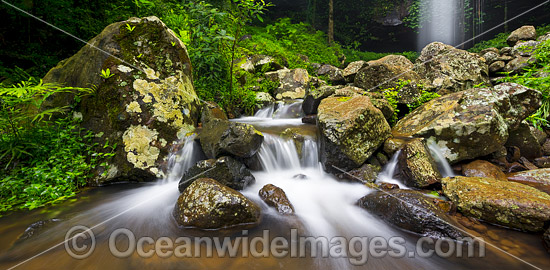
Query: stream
{"points": [[325, 207]]}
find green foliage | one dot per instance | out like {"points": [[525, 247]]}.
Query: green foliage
{"points": [[537, 77], [106, 74], [42, 161], [498, 42], [392, 95]]}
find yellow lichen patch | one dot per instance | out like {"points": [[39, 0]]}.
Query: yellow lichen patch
{"points": [[151, 74], [133, 107], [170, 95], [137, 143]]}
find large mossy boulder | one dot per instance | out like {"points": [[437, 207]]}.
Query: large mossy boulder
{"points": [[207, 204], [293, 83], [351, 128], [385, 73], [147, 105], [221, 137], [225, 170], [505, 203], [417, 167], [472, 123], [444, 67], [412, 211]]}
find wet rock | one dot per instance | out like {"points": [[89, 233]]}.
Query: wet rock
{"points": [[300, 176], [382, 73], [335, 75], [276, 198], [314, 96], [513, 154], [351, 70], [387, 186], [293, 83], [526, 32], [298, 136], [527, 164], [546, 239], [144, 111], [546, 147], [225, 170], [219, 138], [482, 168], [351, 130], [539, 179], [211, 110], [516, 167], [538, 134], [207, 204], [310, 119], [471, 123], [542, 162], [36, 228], [505, 203], [523, 138], [366, 173], [412, 211], [417, 167], [445, 67]]}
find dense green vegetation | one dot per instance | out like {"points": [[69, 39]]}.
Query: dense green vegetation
{"points": [[45, 157]]}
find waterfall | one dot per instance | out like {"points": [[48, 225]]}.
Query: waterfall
{"points": [[442, 163], [180, 161], [438, 22]]}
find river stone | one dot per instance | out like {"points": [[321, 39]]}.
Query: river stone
{"points": [[351, 70], [505, 203], [276, 198], [383, 73], [148, 104], [292, 83], [539, 179], [482, 168], [207, 204], [225, 170], [335, 75], [222, 137], [524, 139], [351, 130], [366, 173], [525, 32], [211, 110], [445, 67], [472, 123], [412, 211], [417, 167]]}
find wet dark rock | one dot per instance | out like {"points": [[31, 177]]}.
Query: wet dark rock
{"points": [[412, 211], [300, 177], [310, 119], [225, 170], [505, 203], [539, 179], [314, 96], [416, 165], [221, 137], [366, 173], [546, 147], [276, 198], [388, 186], [482, 168], [542, 162], [516, 167], [527, 163], [546, 239], [513, 154], [36, 228], [207, 204], [211, 110]]}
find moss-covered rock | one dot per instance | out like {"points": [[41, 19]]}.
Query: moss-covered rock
{"points": [[314, 96], [276, 198], [225, 170], [523, 138], [442, 66], [292, 83], [539, 179], [526, 32], [207, 204], [417, 167], [471, 123], [412, 211], [351, 70], [351, 130], [211, 110], [383, 73], [506, 203], [222, 137], [146, 106]]}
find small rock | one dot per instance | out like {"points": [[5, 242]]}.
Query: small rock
{"points": [[490, 57], [276, 197], [492, 49], [335, 75], [496, 67], [367, 173], [546, 147], [300, 177], [225, 170], [516, 167], [482, 168], [542, 162], [417, 166], [513, 154], [310, 119], [388, 186], [222, 137], [527, 164], [538, 134]]}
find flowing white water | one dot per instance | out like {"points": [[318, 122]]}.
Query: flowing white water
{"points": [[438, 22], [442, 163], [387, 175]]}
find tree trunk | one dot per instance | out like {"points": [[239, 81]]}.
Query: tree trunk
{"points": [[330, 22]]}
